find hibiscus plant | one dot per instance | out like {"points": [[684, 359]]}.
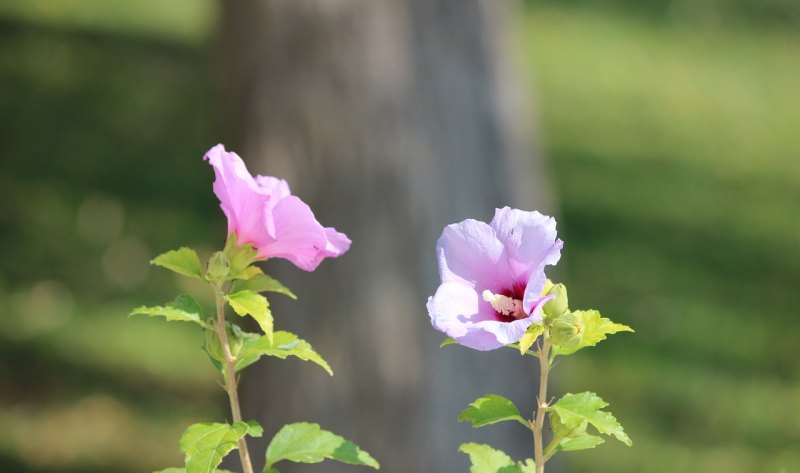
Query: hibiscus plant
{"points": [[264, 221], [494, 293]]}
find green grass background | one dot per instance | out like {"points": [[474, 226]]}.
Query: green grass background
{"points": [[671, 131]]}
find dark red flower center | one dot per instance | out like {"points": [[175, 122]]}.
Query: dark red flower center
{"points": [[515, 292]]}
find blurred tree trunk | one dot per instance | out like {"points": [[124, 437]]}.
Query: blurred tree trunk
{"points": [[391, 119]]}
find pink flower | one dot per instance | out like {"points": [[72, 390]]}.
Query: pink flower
{"points": [[262, 211], [492, 277]]}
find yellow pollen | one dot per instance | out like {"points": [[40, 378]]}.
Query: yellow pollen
{"points": [[503, 304]]}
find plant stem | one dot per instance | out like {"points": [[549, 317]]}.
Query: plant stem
{"points": [[230, 375], [541, 403]]}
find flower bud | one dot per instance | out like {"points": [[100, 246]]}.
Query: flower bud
{"points": [[558, 305], [218, 267], [213, 345], [567, 330]]}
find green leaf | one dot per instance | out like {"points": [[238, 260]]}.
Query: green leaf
{"points": [[527, 340], [206, 444], [183, 470], [304, 442], [260, 282], [184, 308], [595, 329], [254, 429], [491, 409], [486, 459], [282, 345], [183, 261], [240, 258], [256, 306], [447, 341], [575, 409], [580, 442]]}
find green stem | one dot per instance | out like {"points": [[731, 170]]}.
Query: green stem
{"points": [[230, 375], [552, 446], [541, 403]]}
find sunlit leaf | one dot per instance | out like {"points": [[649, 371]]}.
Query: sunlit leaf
{"points": [[260, 282], [575, 409], [183, 261], [580, 442], [490, 409], [282, 345], [256, 306], [530, 337], [184, 308], [594, 330], [206, 444], [486, 459], [307, 443]]}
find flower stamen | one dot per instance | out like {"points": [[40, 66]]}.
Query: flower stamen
{"points": [[504, 304]]}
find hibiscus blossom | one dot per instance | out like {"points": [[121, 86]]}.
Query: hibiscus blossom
{"points": [[261, 210], [492, 277]]}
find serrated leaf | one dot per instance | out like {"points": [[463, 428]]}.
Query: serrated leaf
{"points": [[283, 345], [254, 429], [304, 442], [447, 341], [580, 442], [240, 258], [491, 409], [260, 283], [256, 306], [528, 466], [182, 261], [574, 409], [486, 459], [183, 470], [527, 340], [595, 329], [206, 444], [183, 308]]}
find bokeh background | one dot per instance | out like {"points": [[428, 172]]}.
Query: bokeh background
{"points": [[670, 132]]}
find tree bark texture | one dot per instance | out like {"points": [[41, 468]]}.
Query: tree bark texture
{"points": [[391, 118]]}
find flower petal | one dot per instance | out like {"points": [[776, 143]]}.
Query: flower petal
{"points": [[470, 253], [503, 332], [240, 197], [452, 306], [299, 237], [529, 239]]}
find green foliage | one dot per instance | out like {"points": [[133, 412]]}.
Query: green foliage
{"points": [[591, 328], [240, 258], [491, 409], [282, 345], [304, 442], [256, 306], [531, 335], [447, 341], [206, 444], [184, 308], [182, 261], [486, 459], [218, 267], [260, 282], [581, 441], [183, 470], [559, 304], [576, 410]]}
